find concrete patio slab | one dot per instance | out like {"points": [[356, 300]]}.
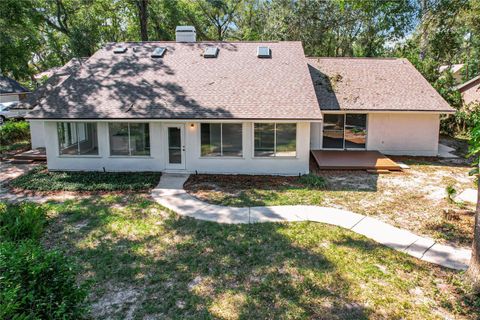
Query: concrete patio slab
{"points": [[468, 195], [277, 214], [448, 256], [419, 247], [445, 151], [385, 234], [333, 216]]}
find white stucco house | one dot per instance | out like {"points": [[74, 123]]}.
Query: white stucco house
{"points": [[229, 107]]}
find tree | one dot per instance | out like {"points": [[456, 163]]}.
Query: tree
{"points": [[142, 13], [474, 268]]}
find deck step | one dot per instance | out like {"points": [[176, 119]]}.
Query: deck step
{"points": [[21, 161], [378, 171]]}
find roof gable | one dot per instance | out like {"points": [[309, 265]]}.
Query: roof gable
{"points": [[8, 85]]}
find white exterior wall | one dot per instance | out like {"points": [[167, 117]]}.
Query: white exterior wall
{"points": [[413, 134], [158, 149], [8, 98], [36, 134]]}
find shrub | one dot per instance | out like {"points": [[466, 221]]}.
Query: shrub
{"points": [[38, 284], [313, 181], [40, 179], [451, 193], [21, 222], [14, 131]]}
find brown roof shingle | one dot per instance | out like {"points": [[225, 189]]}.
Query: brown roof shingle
{"points": [[184, 85], [373, 84]]}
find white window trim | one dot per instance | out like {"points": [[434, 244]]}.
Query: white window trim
{"points": [[129, 155], [78, 155], [275, 141], [221, 156]]}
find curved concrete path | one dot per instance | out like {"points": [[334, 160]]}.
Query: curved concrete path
{"points": [[170, 194]]}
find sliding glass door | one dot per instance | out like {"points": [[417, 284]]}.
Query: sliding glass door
{"points": [[344, 131]]}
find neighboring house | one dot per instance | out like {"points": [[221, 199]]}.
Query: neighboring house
{"points": [[11, 90], [230, 107], [470, 91], [455, 69]]}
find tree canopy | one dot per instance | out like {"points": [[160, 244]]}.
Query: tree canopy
{"points": [[39, 34]]}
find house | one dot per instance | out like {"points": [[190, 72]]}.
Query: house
{"points": [[229, 107], [455, 69], [470, 91], [11, 90]]}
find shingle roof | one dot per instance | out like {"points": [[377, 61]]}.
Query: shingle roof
{"points": [[8, 85], [463, 86], [373, 84], [184, 85]]}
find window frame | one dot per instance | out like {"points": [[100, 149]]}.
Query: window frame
{"points": [[78, 155], [221, 156], [275, 141], [344, 148], [129, 155]]}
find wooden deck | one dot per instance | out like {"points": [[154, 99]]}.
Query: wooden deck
{"points": [[353, 160], [38, 154]]}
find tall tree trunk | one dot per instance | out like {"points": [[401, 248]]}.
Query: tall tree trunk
{"points": [[474, 268], [142, 6], [423, 29]]}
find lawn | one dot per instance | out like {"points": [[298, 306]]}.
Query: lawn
{"points": [[414, 199], [144, 262], [40, 179]]}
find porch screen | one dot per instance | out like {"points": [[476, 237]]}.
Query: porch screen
{"points": [[275, 139], [129, 139], [221, 139], [77, 138]]}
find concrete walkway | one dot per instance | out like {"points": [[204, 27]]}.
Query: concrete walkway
{"points": [[170, 194]]}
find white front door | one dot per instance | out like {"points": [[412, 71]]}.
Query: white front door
{"points": [[175, 134]]}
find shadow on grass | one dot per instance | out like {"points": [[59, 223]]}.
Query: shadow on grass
{"points": [[182, 268]]}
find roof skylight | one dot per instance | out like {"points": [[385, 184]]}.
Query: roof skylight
{"points": [[120, 50], [210, 52], [264, 52], [158, 52]]}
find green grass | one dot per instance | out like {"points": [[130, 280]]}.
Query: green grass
{"points": [[40, 179], [248, 191], [145, 261], [15, 146]]}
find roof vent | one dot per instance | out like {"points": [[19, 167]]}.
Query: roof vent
{"points": [[185, 34], [264, 52], [120, 50], [210, 52], [158, 52]]}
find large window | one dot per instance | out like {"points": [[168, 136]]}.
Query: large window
{"points": [[129, 139], [221, 139], [77, 138], [275, 139], [344, 131]]}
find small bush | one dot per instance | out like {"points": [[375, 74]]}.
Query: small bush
{"points": [[40, 179], [451, 193], [313, 181], [38, 284], [21, 222], [14, 131]]}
